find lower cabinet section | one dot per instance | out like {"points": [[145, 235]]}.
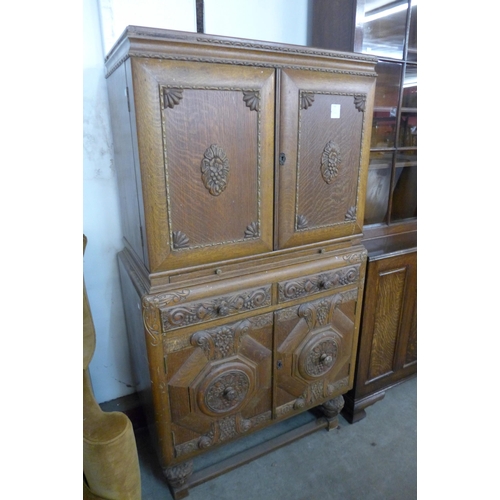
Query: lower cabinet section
{"points": [[388, 340], [215, 362]]}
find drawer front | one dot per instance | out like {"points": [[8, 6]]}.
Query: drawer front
{"points": [[316, 283], [212, 308], [219, 384]]}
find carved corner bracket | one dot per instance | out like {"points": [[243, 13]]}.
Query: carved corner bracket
{"points": [[171, 97], [252, 99], [306, 100], [360, 102], [252, 230]]}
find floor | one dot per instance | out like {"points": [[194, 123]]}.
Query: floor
{"points": [[374, 459]]}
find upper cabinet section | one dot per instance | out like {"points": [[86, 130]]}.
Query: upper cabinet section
{"points": [[229, 148]]}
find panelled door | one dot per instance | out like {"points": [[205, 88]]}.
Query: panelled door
{"points": [[205, 142], [323, 119]]}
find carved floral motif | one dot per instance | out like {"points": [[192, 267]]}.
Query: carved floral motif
{"points": [[177, 317], [295, 289], [330, 162], [215, 170], [227, 391], [220, 342]]}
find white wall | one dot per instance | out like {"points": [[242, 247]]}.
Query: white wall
{"points": [[274, 20]]}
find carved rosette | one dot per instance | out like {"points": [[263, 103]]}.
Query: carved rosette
{"points": [[252, 99], [306, 100], [318, 356], [171, 97], [330, 162], [227, 391], [215, 170]]}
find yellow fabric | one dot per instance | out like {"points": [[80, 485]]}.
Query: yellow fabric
{"points": [[110, 460]]}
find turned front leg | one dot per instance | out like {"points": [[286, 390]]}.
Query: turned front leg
{"points": [[331, 410], [178, 478]]}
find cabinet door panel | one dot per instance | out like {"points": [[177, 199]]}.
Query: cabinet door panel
{"points": [[206, 152], [220, 385], [314, 351], [323, 127]]}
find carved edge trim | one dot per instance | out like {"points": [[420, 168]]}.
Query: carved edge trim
{"points": [[150, 55], [221, 432], [296, 289], [151, 312], [309, 397], [256, 323], [210, 309]]}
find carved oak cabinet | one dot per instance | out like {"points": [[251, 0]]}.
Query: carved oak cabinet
{"points": [[242, 174]]}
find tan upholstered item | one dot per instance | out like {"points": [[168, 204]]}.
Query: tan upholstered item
{"points": [[110, 461]]}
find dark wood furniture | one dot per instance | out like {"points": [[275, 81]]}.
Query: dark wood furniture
{"points": [[387, 348], [242, 170], [387, 352]]}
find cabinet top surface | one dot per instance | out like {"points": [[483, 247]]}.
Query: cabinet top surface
{"points": [[151, 42]]}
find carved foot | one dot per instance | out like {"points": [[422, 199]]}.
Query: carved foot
{"points": [[331, 410], [178, 479]]}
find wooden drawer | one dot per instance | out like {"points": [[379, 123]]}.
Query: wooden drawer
{"points": [[316, 283], [180, 316]]}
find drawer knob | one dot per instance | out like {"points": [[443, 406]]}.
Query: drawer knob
{"points": [[230, 394], [326, 359]]}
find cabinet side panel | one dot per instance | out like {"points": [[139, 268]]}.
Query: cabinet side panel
{"points": [[124, 160]]}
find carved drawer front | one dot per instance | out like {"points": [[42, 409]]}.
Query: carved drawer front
{"points": [[314, 348], [195, 312], [220, 385], [316, 283], [324, 125], [207, 159]]}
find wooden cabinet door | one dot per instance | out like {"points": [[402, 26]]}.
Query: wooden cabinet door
{"points": [[323, 150], [388, 341], [205, 142], [315, 347], [219, 383]]}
